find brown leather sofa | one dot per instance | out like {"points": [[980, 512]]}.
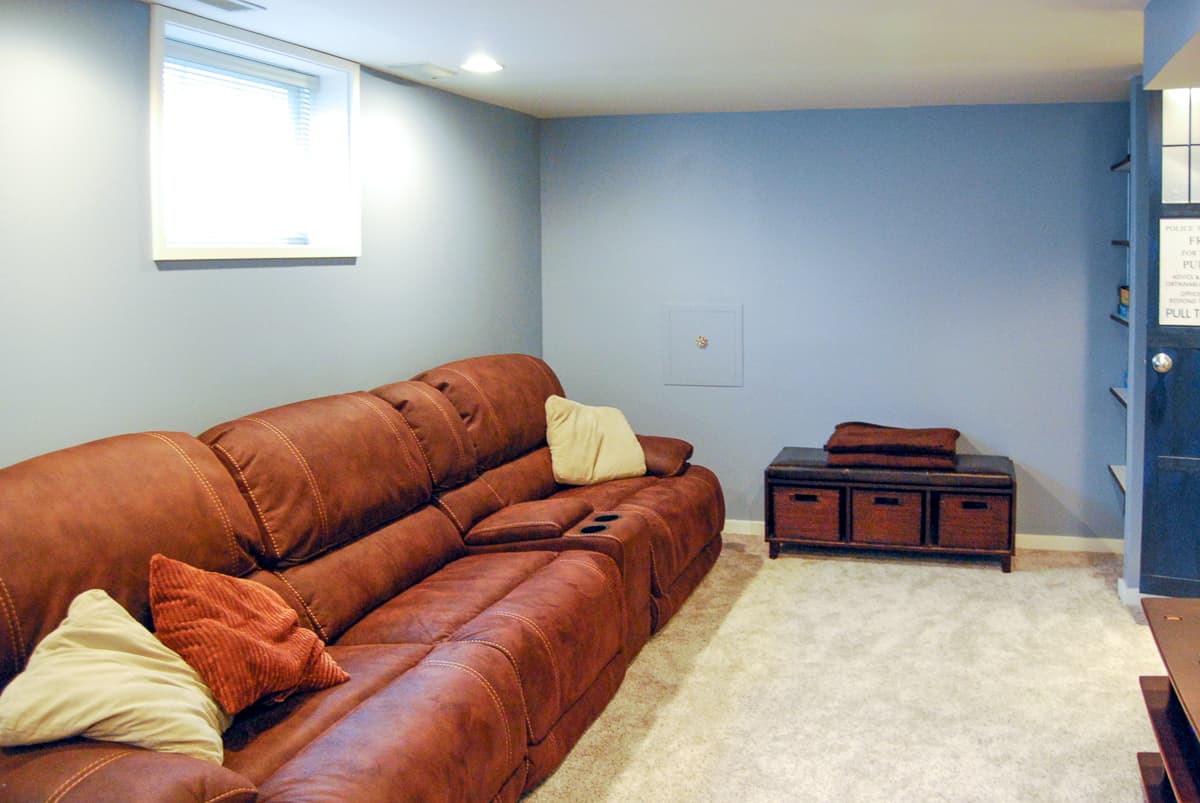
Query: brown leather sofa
{"points": [[485, 614]]}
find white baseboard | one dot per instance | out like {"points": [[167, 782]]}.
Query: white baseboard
{"points": [[1129, 596], [1071, 543], [1060, 543], [744, 527]]}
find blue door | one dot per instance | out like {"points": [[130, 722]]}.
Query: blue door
{"points": [[1171, 486]]}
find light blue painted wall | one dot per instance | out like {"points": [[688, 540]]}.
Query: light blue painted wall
{"points": [[1168, 25], [914, 267], [95, 340]]}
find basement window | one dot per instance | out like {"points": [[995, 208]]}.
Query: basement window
{"points": [[1181, 146], [252, 139]]}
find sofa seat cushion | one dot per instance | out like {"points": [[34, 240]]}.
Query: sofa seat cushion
{"points": [[450, 728], [432, 610], [83, 771], [559, 618], [265, 737], [560, 628], [528, 521]]}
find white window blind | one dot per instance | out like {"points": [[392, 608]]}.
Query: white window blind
{"points": [[252, 149], [235, 150]]}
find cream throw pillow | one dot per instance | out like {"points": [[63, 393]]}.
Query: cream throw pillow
{"points": [[102, 675], [591, 444]]}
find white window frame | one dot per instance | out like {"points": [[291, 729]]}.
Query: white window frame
{"points": [[338, 233]]}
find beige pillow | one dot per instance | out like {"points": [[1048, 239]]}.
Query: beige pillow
{"points": [[591, 444], [102, 675]]}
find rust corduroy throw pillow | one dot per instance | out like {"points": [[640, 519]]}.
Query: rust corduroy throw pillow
{"points": [[240, 636]]}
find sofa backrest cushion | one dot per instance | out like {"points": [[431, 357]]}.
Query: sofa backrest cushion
{"points": [[445, 443], [333, 591], [501, 399], [320, 473], [91, 516], [524, 479]]}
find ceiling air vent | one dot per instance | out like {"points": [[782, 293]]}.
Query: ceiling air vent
{"points": [[420, 72], [234, 5]]}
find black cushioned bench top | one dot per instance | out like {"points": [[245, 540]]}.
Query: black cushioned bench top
{"points": [[973, 470]]}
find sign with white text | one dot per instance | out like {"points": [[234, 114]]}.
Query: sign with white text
{"points": [[1179, 272]]}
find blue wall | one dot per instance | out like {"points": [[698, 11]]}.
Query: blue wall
{"points": [[95, 340], [915, 267]]}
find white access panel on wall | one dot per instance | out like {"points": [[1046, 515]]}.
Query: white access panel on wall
{"points": [[703, 345]]}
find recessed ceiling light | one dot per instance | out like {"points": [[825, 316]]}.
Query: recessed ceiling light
{"points": [[481, 63]]}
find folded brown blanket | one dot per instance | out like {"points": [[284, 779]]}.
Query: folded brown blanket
{"points": [[880, 460], [858, 436]]}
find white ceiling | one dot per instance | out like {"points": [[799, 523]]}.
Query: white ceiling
{"points": [[587, 57]]}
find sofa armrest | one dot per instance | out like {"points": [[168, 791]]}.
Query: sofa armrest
{"points": [[78, 770], [665, 457], [528, 521]]}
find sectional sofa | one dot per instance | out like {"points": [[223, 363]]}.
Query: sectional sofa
{"points": [[484, 613]]}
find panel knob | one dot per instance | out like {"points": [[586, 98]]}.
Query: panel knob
{"points": [[1161, 362]]}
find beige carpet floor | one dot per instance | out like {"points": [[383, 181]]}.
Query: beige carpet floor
{"points": [[867, 678]]}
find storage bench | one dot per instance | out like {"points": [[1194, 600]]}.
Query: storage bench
{"points": [[967, 510]]}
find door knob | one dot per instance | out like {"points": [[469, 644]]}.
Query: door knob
{"points": [[1161, 362]]}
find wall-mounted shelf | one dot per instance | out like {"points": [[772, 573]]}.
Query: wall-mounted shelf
{"points": [[1118, 473], [1121, 394]]}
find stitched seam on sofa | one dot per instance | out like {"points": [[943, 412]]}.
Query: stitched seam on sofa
{"points": [[231, 793], [592, 568], [658, 516], [446, 509], [503, 431], [312, 617], [555, 385], [80, 776], [545, 643], [491, 691], [609, 536], [516, 670], [254, 499], [433, 395], [495, 493], [412, 463], [14, 627], [212, 494], [312, 480], [511, 525], [556, 742]]}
